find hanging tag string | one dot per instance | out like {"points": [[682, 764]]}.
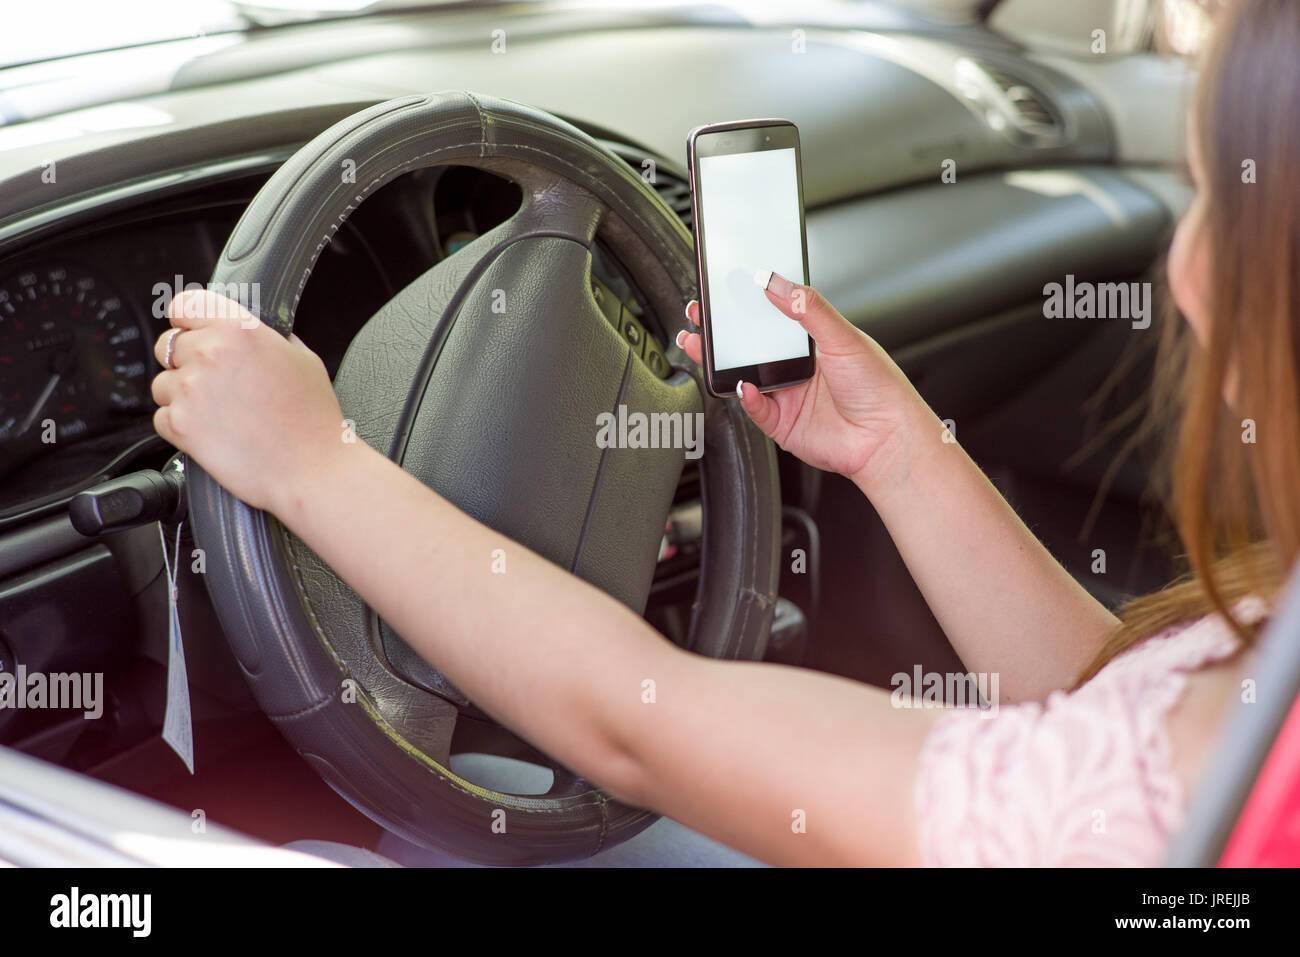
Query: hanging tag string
{"points": [[171, 567], [178, 722]]}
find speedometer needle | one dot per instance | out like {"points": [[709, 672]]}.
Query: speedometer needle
{"points": [[40, 402]]}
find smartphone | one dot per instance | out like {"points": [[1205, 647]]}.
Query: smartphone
{"points": [[747, 196]]}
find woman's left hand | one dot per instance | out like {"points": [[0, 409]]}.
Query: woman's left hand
{"points": [[255, 409]]}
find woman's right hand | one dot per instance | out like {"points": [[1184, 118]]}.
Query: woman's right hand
{"points": [[858, 412]]}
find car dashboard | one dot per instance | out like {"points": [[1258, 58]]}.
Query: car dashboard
{"points": [[149, 189]]}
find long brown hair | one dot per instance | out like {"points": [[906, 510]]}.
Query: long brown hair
{"points": [[1234, 487]]}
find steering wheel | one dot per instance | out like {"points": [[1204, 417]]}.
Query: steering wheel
{"points": [[484, 378]]}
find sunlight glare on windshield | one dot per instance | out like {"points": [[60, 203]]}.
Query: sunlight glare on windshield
{"points": [[54, 28], [331, 6]]}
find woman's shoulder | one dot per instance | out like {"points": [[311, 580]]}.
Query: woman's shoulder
{"points": [[1185, 647], [1086, 777]]}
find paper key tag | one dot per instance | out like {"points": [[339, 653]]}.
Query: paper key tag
{"points": [[178, 726]]}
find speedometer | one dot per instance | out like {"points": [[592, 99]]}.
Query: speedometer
{"points": [[73, 357]]}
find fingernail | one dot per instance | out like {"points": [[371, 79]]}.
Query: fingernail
{"points": [[681, 339], [740, 390], [687, 311], [779, 286]]}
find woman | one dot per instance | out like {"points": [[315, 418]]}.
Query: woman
{"points": [[1104, 725]]}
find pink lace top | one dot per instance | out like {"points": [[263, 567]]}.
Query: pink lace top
{"points": [[1085, 779]]}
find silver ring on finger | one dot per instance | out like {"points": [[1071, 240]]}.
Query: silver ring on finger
{"points": [[171, 345]]}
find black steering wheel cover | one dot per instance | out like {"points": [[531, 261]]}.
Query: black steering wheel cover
{"points": [[295, 675]]}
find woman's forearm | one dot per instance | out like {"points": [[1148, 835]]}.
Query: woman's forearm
{"points": [[739, 751], [486, 610], [1004, 602]]}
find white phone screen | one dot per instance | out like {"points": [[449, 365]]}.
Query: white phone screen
{"points": [[749, 220]]}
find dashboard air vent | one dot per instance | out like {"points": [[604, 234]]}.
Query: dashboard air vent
{"points": [[669, 181], [676, 192], [1031, 105], [1009, 104]]}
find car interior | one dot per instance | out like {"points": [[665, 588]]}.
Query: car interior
{"points": [[953, 167]]}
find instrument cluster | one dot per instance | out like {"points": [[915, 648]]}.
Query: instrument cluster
{"points": [[75, 359]]}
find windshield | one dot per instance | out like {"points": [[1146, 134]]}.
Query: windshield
{"points": [[53, 28], [45, 29]]}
